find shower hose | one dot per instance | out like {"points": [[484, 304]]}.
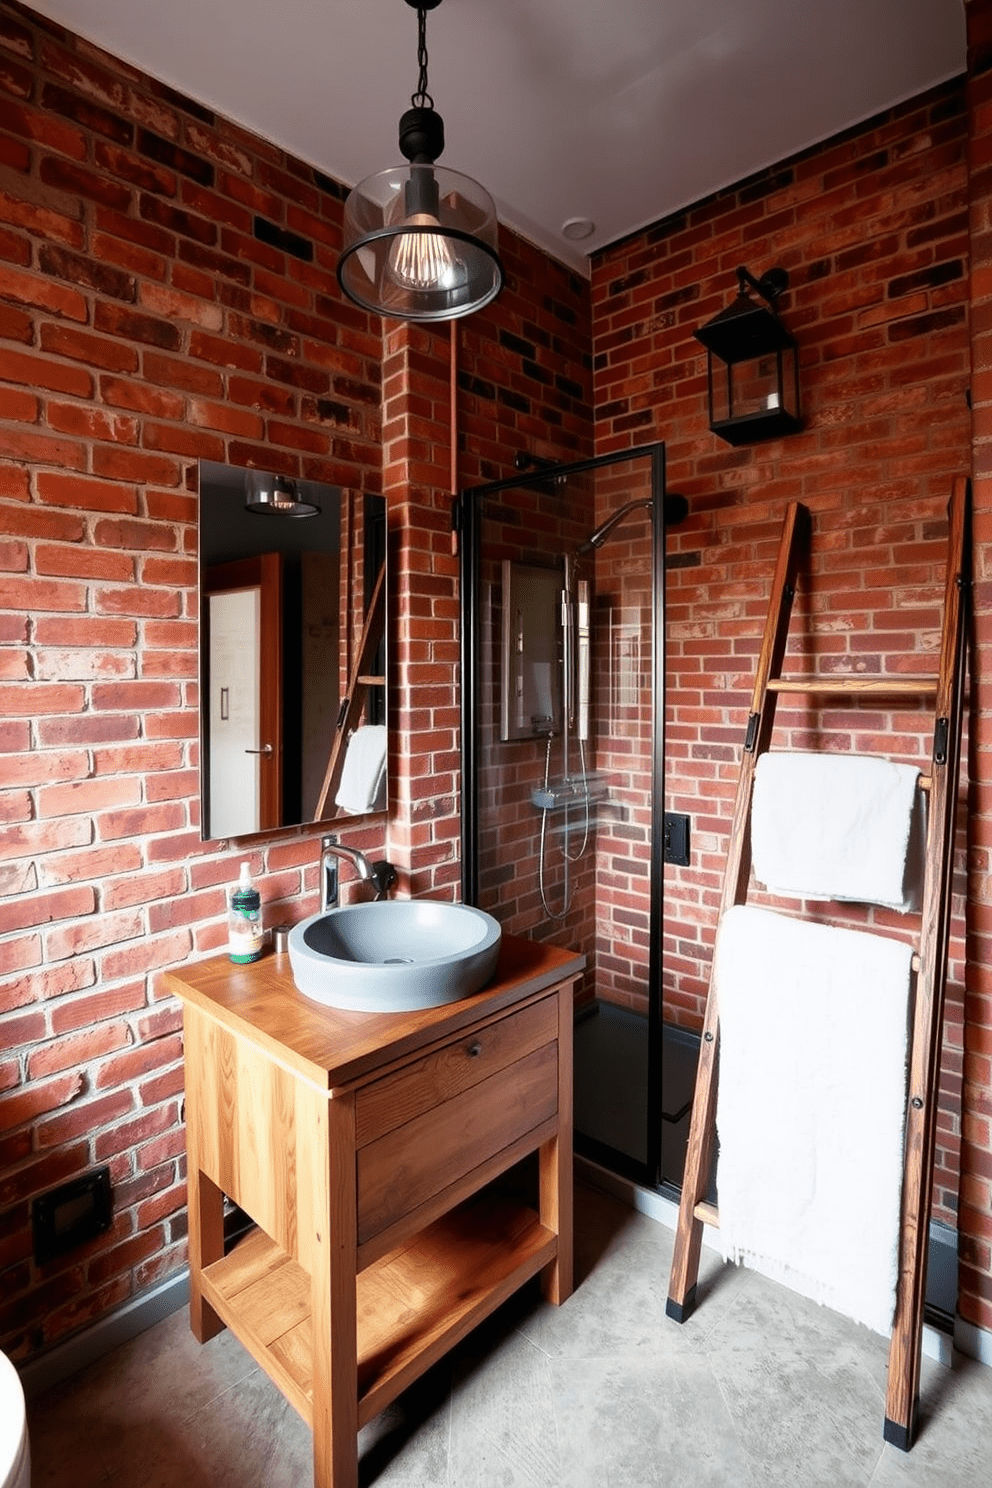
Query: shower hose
{"points": [[568, 857]]}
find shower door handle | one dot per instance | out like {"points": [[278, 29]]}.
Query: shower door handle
{"points": [[583, 658]]}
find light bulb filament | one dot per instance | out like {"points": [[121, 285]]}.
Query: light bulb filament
{"points": [[422, 260]]}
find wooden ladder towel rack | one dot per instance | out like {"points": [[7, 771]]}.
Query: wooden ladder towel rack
{"points": [[945, 691]]}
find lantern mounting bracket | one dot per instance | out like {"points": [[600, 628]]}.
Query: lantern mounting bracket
{"points": [[769, 286]]}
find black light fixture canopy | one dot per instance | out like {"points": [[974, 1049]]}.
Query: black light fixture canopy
{"points": [[752, 364], [420, 241]]}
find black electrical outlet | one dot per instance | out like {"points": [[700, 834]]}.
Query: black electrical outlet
{"points": [[676, 838], [71, 1214]]}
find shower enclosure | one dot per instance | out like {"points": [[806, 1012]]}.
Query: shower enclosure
{"points": [[563, 709]]}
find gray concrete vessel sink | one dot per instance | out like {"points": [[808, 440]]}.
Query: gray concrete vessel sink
{"points": [[394, 955]]}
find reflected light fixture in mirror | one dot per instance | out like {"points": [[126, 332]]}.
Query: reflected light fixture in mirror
{"points": [[276, 495], [287, 611]]}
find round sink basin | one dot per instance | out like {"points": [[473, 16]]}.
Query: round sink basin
{"points": [[394, 955]]}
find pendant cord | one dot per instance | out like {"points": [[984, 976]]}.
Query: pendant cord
{"points": [[422, 99]]}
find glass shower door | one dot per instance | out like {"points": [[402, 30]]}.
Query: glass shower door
{"points": [[563, 762]]}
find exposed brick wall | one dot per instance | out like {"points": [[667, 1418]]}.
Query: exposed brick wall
{"points": [[167, 293], [873, 229]]}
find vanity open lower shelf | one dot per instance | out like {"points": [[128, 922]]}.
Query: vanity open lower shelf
{"points": [[459, 1269], [365, 1149]]}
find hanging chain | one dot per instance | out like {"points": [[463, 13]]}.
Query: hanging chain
{"points": [[422, 99]]}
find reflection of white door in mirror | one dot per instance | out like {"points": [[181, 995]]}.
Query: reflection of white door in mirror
{"points": [[244, 650], [234, 709]]}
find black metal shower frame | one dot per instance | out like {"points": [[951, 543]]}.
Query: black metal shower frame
{"points": [[467, 518]]}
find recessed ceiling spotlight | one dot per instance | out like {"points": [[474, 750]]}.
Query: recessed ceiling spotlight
{"points": [[577, 228]]}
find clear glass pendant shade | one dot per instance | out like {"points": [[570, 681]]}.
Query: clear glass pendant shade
{"points": [[420, 243]]}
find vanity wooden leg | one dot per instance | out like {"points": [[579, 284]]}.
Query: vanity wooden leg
{"points": [[333, 1296], [206, 1244], [556, 1166]]}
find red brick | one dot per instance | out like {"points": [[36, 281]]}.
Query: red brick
{"points": [[74, 664], [38, 1100], [13, 557], [87, 729], [87, 796], [148, 603], [176, 373], [80, 491], [150, 818], [145, 888], [130, 256], [80, 630], [42, 909], [35, 698], [129, 1065], [35, 447], [27, 1028], [83, 563], [83, 1119], [40, 372], [44, 294], [92, 934], [82, 1012], [44, 837], [76, 1049], [36, 767], [18, 405], [180, 574], [94, 351]]}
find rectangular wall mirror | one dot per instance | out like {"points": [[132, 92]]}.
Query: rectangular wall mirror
{"points": [[292, 652]]}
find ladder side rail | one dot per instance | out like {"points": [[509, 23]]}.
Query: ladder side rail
{"points": [[701, 1143], [902, 1395], [353, 702]]}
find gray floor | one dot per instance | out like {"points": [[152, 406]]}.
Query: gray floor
{"points": [[759, 1388]]}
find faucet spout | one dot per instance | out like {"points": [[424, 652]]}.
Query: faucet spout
{"points": [[381, 874]]}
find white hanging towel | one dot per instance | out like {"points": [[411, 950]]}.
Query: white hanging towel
{"points": [[364, 774], [811, 1105], [838, 826]]}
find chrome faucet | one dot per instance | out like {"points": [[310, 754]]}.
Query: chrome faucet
{"points": [[380, 873]]}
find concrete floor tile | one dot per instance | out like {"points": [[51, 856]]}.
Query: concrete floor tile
{"points": [[954, 1443], [800, 1383], [502, 1419], [636, 1424]]}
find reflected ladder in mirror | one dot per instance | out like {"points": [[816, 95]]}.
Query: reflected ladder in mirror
{"points": [[353, 703]]}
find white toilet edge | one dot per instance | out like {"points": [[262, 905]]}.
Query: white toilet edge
{"points": [[15, 1454]]}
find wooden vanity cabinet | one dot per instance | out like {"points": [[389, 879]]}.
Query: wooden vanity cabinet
{"points": [[364, 1147]]}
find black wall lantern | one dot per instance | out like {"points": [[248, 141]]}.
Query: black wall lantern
{"points": [[752, 364]]}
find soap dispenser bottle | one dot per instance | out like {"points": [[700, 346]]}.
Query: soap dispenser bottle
{"points": [[244, 921]]}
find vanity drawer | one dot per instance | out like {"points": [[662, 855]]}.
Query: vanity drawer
{"points": [[453, 1113], [438, 1077]]}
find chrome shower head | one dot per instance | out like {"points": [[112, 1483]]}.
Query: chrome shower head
{"points": [[676, 509]]}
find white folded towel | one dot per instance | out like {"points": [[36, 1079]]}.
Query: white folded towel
{"points": [[810, 1106], [363, 777], [838, 826]]}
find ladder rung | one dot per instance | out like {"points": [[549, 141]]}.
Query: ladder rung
{"points": [[708, 1213], [871, 686]]}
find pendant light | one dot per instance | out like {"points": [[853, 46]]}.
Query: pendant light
{"points": [[420, 241], [277, 496]]}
